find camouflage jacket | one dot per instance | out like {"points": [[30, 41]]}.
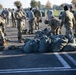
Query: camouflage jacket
{"points": [[37, 13], [19, 15], [68, 19]]}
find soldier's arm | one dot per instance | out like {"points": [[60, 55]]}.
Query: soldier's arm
{"points": [[17, 16]]}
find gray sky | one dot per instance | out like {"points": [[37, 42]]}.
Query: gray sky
{"points": [[26, 3]]}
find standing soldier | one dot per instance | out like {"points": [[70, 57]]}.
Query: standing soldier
{"points": [[68, 21], [13, 18], [75, 22], [5, 15], [2, 24], [31, 18], [19, 17], [37, 14], [2, 38]]}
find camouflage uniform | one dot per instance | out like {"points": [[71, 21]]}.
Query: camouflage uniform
{"points": [[37, 14], [31, 18], [2, 24], [2, 38], [74, 13], [55, 25], [19, 17], [68, 20], [75, 23], [13, 18]]}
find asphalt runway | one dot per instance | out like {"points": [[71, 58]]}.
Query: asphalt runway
{"points": [[16, 62]]}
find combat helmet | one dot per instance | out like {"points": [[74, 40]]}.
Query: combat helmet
{"points": [[17, 4]]}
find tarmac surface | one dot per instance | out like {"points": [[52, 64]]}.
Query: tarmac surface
{"points": [[16, 62]]}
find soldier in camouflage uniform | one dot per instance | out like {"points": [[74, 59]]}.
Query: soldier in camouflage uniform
{"points": [[19, 17], [13, 18], [75, 21], [31, 18], [37, 14], [68, 20], [55, 23], [2, 24]]}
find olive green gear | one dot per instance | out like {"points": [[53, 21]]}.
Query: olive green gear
{"points": [[17, 3]]}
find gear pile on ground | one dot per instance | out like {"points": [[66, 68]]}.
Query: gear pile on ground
{"points": [[44, 41]]}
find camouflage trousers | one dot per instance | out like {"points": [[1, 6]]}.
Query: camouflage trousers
{"points": [[55, 28], [37, 23], [55, 31], [20, 28], [75, 28], [31, 26], [69, 30], [69, 34], [14, 22], [3, 27]]}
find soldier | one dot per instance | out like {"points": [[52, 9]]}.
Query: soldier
{"points": [[55, 23], [19, 17], [37, 14], [13, 18], [31, 18], [5, 14], [2, 24], [75, 21], [68, 21]]}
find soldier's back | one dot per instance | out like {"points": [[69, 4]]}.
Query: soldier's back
{"points": [[37, 13], [55, 21], [69, 18]]}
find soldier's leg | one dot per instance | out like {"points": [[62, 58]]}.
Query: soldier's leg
{"points": [[19, 32], [3, 28], [58, 31], [32, 26], [15, 23], [29, 27], [8, 21], [69, 34], [36, 24], [20, 35], [52, 29], [75, 30]]}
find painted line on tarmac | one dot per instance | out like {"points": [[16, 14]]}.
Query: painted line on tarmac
{"points": [[64, 63], [25, 70], [70, 58], [6, 56]]}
